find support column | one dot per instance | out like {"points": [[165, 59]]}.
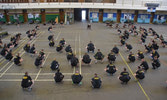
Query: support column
{"points": [[6, 13], [118, 16], [152, 17], [136, 16], [25, 16], [80, 0], [61, 13], [61, 0], [43, 15], [100, 15]]}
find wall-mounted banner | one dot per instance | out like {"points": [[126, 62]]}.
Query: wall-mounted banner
{"points": [[160, 17], [94, 15], [143, 17], [16, 16], [30, 15], [36, 16], [110, 16], [1, 16], [128, 16]]}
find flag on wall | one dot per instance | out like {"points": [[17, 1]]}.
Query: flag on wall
{"points": [[56, 20]]}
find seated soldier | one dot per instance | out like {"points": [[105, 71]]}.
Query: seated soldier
{"points": [[111, 57], [58, 76], [69, 55], [147, 49], [15, 43], [10, 45], [122, 41], [89, 26], [68, 48], [90, 47], [140, 55], [42, 53], [9, 56], [27, 81], [96, 81], [155, 45], [18, 60], [124, 76], [27, 47], [4, 51], [131, 57], [128, 47], [32, 50], [1, 43], [139, 73], [144, 65], [54, 65], [61, 23], [50, 29], [51, 43], [59, 48], [119, 32], [110, 69], [86, 59], [37, 27], [62, 42], [115, 49], [39, 61], [99, 56], [76, 78], [156, 63], [163, 43], [74, 61], [143, 40], [154, 53], [50, 37]]}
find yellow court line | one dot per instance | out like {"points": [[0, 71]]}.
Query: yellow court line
{"points": [[134, 77]]}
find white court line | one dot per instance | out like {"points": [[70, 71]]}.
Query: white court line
{"points": [[39, 80], [80, 54], [13, 62], [75, 51], [9, 67], [46, 58], [20, 44], [41, 68], [58, 36], [18, 74]]}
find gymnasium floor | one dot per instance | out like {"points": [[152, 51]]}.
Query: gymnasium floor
{"points": [[153, 87]]}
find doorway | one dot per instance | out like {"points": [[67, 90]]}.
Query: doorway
{"points": [[83, 15]]}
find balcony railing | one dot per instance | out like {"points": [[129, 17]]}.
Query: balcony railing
{"points": [[45, 1], [121, 4]]}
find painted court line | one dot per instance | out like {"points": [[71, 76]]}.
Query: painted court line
{"points": [[57, 36], [41, 68], [18, 74], [75, 51], [134, 77], [38, 80], [80, 54], [13, 62], [9, 67], [20, 44]]}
